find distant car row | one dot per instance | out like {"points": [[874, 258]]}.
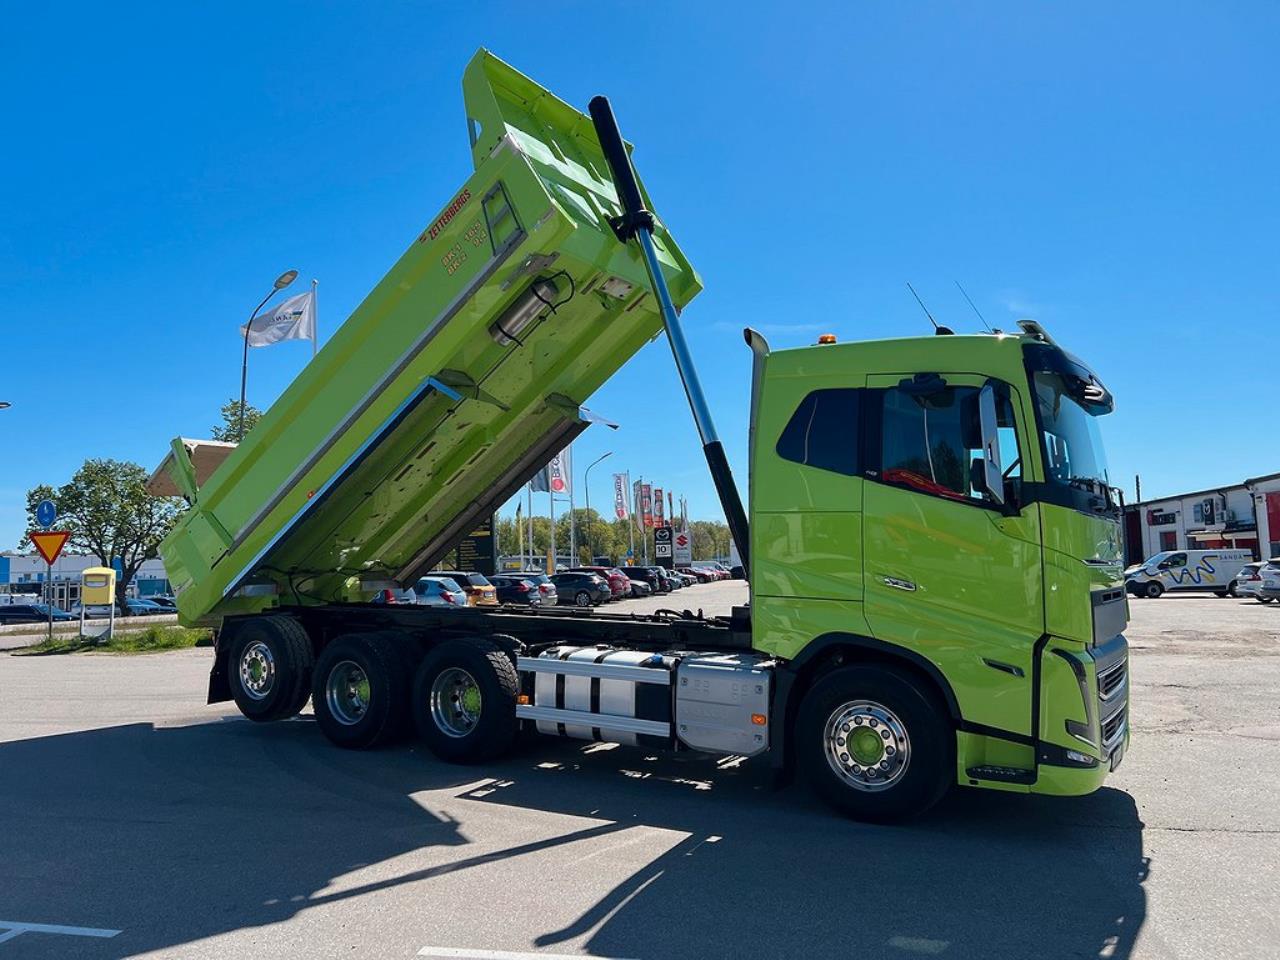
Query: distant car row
{"points": [[39, 612], [587, 586], [1226, 573]]}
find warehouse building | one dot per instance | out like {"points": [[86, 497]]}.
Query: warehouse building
{"points": [[1244, 516], [25, 575]]}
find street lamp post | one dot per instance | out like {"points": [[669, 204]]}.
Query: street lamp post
{"points": [[282, 281], [586, 486]]}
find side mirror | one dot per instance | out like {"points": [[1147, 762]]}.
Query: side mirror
{"points": [[989, 477]]}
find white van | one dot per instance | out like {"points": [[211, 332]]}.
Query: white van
{"points": [[1185, 570]]}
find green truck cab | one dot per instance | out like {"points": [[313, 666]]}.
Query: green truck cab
{"points": [[877, 538], [936, 594]]}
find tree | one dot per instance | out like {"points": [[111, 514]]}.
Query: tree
{"points": [[108, 513], [230, 413]]}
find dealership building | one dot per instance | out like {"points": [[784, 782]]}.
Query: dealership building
{"points": [[25, 574], [1244, 516]]}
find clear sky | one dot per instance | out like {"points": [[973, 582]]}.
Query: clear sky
{"points": [[1108, 169]]}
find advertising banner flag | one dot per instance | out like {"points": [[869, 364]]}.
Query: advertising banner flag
{"points": [[646, 504], [295, 319], [620, 496], [560, 471], [541, 482], [658, 507]]}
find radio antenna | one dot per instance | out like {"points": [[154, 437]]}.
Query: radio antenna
{"points": [[975, 309], [937, 328]]}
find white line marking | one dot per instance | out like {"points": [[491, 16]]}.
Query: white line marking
{"points": [[16, 928], [462, 953]]}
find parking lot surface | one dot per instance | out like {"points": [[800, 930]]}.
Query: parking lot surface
{"points": [[138, 822]]}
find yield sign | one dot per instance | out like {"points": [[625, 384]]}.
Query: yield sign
{"points": [[50, 543]]}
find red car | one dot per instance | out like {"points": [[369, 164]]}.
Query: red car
{"points": [[704, 576], [619, 585]]}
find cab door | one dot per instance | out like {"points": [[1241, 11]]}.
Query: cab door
{"points": [[947, 573]]}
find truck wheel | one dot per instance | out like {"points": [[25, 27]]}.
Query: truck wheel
{"points": [[582, 599], [1152, 590], [464, 700], [269, 668], [360, 690], [875, 745]]}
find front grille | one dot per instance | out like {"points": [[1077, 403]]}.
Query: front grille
{"points": [[1113, 730], [1112, 680]]}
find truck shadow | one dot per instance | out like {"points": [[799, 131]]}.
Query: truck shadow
{"points": [[176, 834]]}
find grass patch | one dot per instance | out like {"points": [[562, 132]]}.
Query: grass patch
{"points": [[150, 640]]}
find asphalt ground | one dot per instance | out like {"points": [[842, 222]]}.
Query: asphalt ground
{"points": [[128, 805]]}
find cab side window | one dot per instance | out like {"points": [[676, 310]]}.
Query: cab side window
{"points": [[929, 441], [823, 432]]}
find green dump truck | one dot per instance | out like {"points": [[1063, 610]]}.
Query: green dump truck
{"points": [[932, 544]]}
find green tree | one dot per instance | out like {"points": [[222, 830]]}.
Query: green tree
{"points": [[229, 429], [108, 512]]}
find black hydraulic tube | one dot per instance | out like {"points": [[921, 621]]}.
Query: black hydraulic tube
{"points": [[638, 223]]}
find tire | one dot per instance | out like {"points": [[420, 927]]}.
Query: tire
{"points": [[1231, 590], [582, 598], [450, 675], [269, 668], [920, 731], [1265, 599], [1152, 590], [360, 690]]}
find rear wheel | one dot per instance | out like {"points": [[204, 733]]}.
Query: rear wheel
{"points": [[1265, 599], [582, 598], [464, 700], [269, 668], [1231, 589], [1152, 590], [360, 690], [874, 744]]}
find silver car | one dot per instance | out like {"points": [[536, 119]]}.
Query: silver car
{"points": [[440, 592], [1270, 573], [1248, 582]]}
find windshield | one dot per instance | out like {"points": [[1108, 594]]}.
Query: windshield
{"points": [[1072, 443]]}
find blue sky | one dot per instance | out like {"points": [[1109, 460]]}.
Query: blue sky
{"points": [[1110, 170]]}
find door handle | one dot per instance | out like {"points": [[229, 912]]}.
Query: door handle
{"points": [[899, 584]]}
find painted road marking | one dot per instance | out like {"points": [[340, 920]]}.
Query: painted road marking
{"points": [[13, 928], [463, 953]]}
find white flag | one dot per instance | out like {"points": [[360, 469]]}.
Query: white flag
{"points": [[295, 319]]}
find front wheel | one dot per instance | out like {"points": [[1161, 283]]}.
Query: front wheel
{"points": [[874, 744], [464, 700], [1152, 590], [1265, 599], [582, 599]]}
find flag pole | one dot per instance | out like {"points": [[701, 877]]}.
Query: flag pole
{"points": [[315, 317]]}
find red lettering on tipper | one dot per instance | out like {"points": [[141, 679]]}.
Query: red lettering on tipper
{"points": [[450, 212]]}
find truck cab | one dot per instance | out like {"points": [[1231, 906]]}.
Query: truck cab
{"points": [[941, 506]]}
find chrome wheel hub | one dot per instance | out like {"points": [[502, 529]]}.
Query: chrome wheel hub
{"points": [[347, 692], [867, 745], [455, 702], [257, 670]]}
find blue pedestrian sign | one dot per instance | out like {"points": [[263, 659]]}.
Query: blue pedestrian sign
{"points": [[46, 513]]}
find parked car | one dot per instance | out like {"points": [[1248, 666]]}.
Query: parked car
{"points": [[169, 603], [546, 588], [639, 588], [403, 596], [698, 574], [670, 579], [581, 589], [688, 579], [31, 613], [738, 572], [144, 608], [440, 592], [1247, 582], [646, 575], [514, 588], [619, 585], [1270, 587], [480, 592]]}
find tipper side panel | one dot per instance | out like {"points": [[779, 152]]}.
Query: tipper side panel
{"points": [[457, 378]]}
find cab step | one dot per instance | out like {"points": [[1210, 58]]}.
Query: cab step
{"points": [[1002, 774]]}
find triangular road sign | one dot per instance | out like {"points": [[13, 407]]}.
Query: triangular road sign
{"points": [[50, 543]]}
